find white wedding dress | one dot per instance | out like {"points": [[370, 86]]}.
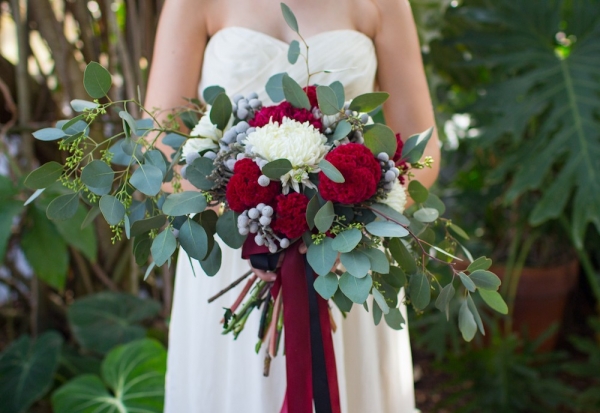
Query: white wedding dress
{"points": [[209, 372]]}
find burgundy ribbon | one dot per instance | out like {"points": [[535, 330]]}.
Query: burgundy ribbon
{"points": [[292, 283]]}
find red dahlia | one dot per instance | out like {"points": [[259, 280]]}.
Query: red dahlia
{"points": [[291, 215], [244, 192], [278, 112], [311, 92], [361, 172], [397, 156]]}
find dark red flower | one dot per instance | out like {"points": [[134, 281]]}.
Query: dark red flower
{"points": [[244, 192], [361, 172], [397, 156], [311, 92], [278, 112], [291, 215]]}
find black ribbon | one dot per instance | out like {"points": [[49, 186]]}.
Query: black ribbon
{"points": [[320, 382], [265, 262]]}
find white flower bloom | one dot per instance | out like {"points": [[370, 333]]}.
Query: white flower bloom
{"points": [[300, 143], [396, 198], [206, 129], [197, 145]]}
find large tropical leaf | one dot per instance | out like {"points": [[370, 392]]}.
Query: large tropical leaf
{"points": [[541, 110], [134, 374]]}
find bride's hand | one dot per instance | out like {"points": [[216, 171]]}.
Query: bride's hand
{"points": [[270, 276]]}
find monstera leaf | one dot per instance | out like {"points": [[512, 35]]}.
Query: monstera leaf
{"points": [[134, 374], [540, 113]]}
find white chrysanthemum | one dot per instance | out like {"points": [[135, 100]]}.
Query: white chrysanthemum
{"points": [[300, 143], [396, 198], [206, 129], [197, 145]]}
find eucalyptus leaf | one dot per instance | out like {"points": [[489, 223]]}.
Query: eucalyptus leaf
{"points": [[356, 289], [467, 282], [163, 246], [476, 316], [494, 300], [394, 319], [79, 105], [395, 277], [378, 260], [426, 215], [277, 168], [327, 99], [466, 322], [347, 240], [331, 171], [112, 209], [368, 101], [387, 212], [402, 256], [63, 207], [82, 238], [49, 134], [377, 313], [274, 87], [485, 280], [380, 300], [293, 93], [417, 192], [96, 80], [433, 201], [143, 126], [193, 239], [311, 211], [144, 225], [210, 93], [220, 112], [98, 177], [356, 263], [322, 256], [129, 120], [212, 264], [338, 89], [141, 249], [184, 203], [386, 229], [380, 138], [228, 230], [147, 179], [481, 263], [343, 302], [442, 302], [289, 17], [44, 176], [293, 51], [413, 148], [326, 285], [458, 230], [419, 290], [119, 157], [199, 171], [342, 130], [174, 140], [156, 158], [324, 218]]}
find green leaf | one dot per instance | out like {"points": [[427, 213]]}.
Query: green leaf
{"points": [[49, 134], [356, 263], [326, 285], [90, 216], [79, 237], [395, 277], [63, 207], [212, 263], [134, 374], [44, 176], [98, 177], [394, 319], [494, 300], [174, 140], [380, 300], [485, 280], [311, 211], [338, 89], [368, 101], [274, 87], [426, 215], [141, 249], [128, 119], [322, 256], [386, 229], [458, 231], [101, 321], [144, 225], [378, 260], [143, 126], [402, 256], [277, 168], [163, 246], [466, 322], [331, 171], [184, 203], [419, 290], [112, 209], [293, 93], [442, 302], [293, 51], [27, 370], [356, 289], [327, 99], [210, 93], [156, 158], [220, 113], [475, 313], [193, 239], [228, 230], [45, 249], [380, 138], [343, 302], [377, 313], [147, 179], [417, 192], [467, 282], [413, 148], [289, 17], [79, 105], [481, 263], [387, 212], [436, 203], [197, 173], [342, 130], [324, 218], [96, 80], [347, 240]]}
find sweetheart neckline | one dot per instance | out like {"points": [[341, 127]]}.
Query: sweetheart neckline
{"points": [[268, 36]]}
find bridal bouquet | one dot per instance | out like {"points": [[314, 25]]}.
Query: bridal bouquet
{"points": [[313, 170]]}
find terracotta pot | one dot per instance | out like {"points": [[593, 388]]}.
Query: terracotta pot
{"points": [[541, 298]]}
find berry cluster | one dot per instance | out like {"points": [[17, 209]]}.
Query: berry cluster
{"points": [[258, 221]]}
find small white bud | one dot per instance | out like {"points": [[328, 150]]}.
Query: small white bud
{"points": [[253, 227], [284, 243], [253, 213], [191, 157], [242, 127], [267, 211], [259, 240], [264, 181], [264, 221], [272, 248], [243, 231], [260, 207], [384, 157]]}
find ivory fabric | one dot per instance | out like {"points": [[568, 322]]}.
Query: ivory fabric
{"points": [[209, 372]]}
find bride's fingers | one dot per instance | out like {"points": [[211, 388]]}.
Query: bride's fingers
{"points": [[302, 248], [265, 275]]}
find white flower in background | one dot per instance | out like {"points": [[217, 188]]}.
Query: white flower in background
{"points": [[300, 143], [193, 146], [396, 198], [206, 129]]}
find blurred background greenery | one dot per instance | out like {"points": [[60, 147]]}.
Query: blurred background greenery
{"points": [[516, 89]]}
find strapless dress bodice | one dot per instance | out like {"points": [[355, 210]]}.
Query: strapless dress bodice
{"points": [[242, 60]]}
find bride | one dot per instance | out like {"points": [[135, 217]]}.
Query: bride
{"points": [[239, 44]]}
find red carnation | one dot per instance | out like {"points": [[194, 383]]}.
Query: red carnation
{"points": [[397, 156], [311, 92], [244, 192], [361, 172], [278, 112], [291, 215]]}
